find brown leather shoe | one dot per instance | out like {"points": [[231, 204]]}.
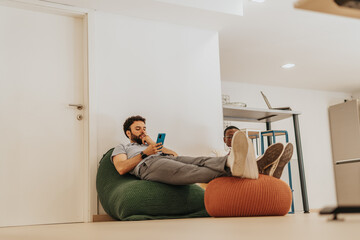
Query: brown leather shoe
{"points": [[278, 167], [270, 156]]}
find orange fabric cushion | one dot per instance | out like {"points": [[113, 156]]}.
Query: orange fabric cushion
{"points": [[240, 197]]}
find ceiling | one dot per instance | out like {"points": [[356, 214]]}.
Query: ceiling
{"points": [[253, 47], [325, 48]]}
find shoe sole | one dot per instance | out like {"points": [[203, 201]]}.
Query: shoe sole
{"points": [[239, 147], [251, 170], [271, 154], [276, 171]]}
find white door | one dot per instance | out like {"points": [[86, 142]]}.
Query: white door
{"points": [[41, 140]]}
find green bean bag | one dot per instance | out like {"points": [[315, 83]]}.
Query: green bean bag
{"points": [[125, 197]]}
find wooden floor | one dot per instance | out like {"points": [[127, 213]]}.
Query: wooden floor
{"points": [[295, 226]]}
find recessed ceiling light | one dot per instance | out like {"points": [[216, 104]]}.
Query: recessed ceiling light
{"points": [[258, 1], [288, 65]]}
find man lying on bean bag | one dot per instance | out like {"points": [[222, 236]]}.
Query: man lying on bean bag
{"points": [[168, 190], [151, 161]]}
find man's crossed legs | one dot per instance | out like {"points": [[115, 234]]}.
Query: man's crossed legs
{"points": [[241, 162]]}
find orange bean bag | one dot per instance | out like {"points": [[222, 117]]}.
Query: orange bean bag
{"points": [[240, 197]]}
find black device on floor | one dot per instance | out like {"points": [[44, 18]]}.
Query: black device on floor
{"points": [[339, 209]]}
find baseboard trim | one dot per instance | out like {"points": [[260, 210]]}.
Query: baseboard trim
{"points": [[102, 218]]}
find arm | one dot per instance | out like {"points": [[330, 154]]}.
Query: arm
{"points": [[165, 150], [168, 151], [124, 165], [149, 141]]}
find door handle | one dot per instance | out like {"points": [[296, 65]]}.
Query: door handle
{"points": [[78, 106]]}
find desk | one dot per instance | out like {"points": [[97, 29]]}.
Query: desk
{"points": [[245, 114]]}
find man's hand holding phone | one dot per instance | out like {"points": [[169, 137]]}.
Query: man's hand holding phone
{"points": [[152, 149]]}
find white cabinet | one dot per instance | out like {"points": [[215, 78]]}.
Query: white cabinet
{"points": [[345, 139]]}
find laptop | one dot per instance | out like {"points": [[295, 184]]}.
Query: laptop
{"points": [[269, 106]]}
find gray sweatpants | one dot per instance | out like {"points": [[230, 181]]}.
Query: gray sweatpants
{"points": [[183, 170]]}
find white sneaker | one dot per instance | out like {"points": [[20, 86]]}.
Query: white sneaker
{"points": [[241, 160], [251, 169]]}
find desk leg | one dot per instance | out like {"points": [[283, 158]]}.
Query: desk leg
{"points": [[268, 128], [301, 164]]}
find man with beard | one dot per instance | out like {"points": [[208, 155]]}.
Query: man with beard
{"points": [[148, 160]]}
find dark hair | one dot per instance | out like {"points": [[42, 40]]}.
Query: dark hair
{"points": [[128, 122], [228, 128]]}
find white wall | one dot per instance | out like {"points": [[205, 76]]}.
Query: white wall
{"points": [[314, 132], [167, 73]]}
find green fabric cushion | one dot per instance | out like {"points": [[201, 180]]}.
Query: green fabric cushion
{"points": [[126, 197]]}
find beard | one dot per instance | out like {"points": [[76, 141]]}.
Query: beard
{"points": [[136, 139]]}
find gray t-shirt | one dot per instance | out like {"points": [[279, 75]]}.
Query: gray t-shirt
{"points": [[131, 150]]}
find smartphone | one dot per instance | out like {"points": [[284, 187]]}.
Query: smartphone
{"points": [[161, 138]]}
